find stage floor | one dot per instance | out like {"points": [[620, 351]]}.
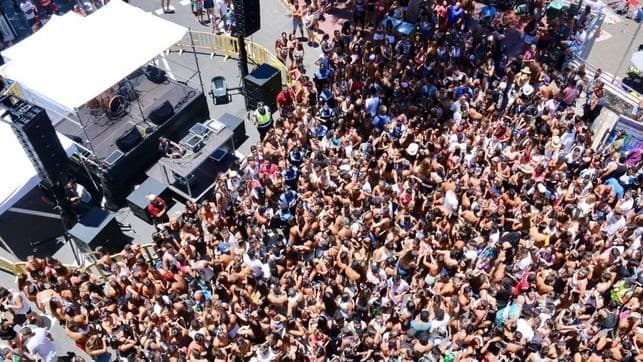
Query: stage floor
{"points": [[100, 133]]}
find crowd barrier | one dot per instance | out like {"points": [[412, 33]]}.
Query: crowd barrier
{"points": [[11, 268], [93, 267], [613, 85], [228, 46], [15, 90]]}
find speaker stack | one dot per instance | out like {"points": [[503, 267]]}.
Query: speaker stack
{"points": [[247, 17], [263, 85], [38, 138]]}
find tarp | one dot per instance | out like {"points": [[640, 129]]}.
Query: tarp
{"points": [[19, 177], [76, 59]]}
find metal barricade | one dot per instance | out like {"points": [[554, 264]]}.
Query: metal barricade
{"points": [[612, 84]]}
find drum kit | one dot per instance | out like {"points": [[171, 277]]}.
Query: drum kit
{"points": [[115, 101]]}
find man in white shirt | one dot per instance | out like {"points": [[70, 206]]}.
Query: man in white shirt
{"points": [[614, 222], [372, 103], [38, 342]]}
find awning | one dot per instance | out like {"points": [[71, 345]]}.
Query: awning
{"points": [[73, 59]]}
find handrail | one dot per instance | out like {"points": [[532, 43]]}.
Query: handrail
{"points": [[228, 46]]}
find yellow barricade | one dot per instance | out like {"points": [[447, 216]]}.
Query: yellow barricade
{"points": [[9, 267], [93, 268], [15, 90], [228, 46]]}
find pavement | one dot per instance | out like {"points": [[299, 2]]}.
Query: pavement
{"points": [[619, 39]]}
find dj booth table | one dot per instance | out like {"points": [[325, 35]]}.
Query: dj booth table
{"points": [[193, 175]]}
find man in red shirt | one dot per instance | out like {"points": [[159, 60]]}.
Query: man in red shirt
{"points": [[157, 209], [285, 101]]}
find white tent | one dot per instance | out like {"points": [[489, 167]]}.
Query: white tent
{"points": [[19, 176], [75, 59], [46, 41]]}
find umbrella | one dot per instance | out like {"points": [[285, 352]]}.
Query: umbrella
{"points": [[637, 60]]}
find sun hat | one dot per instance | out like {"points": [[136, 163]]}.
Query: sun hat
{"points": [[412, 149], [527, 169]]}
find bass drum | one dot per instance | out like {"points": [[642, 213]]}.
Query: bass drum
{"points": [[116, 107]]}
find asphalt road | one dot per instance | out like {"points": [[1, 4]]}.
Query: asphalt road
{"points": [[615, 44]]}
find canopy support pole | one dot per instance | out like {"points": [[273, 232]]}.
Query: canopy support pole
{"points": [[82, 126], [196, 60]]}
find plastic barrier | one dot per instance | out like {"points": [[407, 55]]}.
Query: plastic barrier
{"points": [[11, 268], [228, 46], [93, 268], [14, 89]]}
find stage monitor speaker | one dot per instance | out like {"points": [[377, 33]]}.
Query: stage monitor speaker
{"points": [[262, 85], [129, 140], [99, 228], [162, 113], [247, 17], [155, 74], [38, 138]]}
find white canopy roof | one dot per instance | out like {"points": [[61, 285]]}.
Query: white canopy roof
{"points": [[72, 59], [20, 176]]}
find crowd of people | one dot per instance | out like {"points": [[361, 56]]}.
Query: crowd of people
{"points": [[419, 198]]}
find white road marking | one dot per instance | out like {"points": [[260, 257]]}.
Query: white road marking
{"points": [[185, 2]]}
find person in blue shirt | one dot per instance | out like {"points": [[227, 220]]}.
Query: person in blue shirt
{"points": [[616, 186], [422, 324], [455, 14], [381, 119]]}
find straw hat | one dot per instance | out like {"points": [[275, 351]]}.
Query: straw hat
{"points": [[555, 142], [526, 70], [526, 169]]}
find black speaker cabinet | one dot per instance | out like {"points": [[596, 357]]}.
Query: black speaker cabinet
{"points": [[99, 228], [162, 113], [262, 85], [129, 140], [155, 74], [38, 138], [247, 17], [238, 127]]}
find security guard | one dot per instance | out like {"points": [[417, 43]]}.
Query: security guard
{"points": [[262, 118]]}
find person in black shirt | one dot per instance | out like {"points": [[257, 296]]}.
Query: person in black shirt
{"points": [[170, 149]]}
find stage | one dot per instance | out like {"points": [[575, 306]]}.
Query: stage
{"points": [[192, 176], [99, 133]]}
